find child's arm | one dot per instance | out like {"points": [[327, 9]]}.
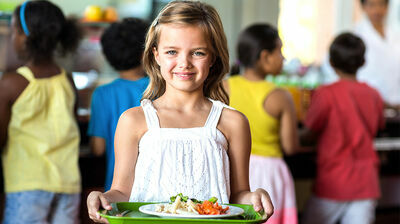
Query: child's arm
{"points": [[236, 129], [12, 85], [97, 145], [131, 126], [308, 140], [5, 112], [279, 103]]}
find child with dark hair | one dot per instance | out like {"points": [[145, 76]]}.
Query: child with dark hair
{"points": [[38, 130], [342, 121], [271, 114], [123, 46]]}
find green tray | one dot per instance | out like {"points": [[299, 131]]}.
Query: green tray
{"points": [[133, 216]]}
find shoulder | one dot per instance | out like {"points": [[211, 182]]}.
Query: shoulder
{"points": [[134, 117], [232, 120], [326, 89], [373, 91], [279, 95], [278, 98], [12, 84], [12, 78]]}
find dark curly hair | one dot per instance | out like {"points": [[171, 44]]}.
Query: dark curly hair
{"points": [[346, 53], [364, 1], [48, 30], [123, 43], [252, 41]]}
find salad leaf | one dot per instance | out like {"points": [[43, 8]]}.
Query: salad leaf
{"points": [[186, 198], [213, 200], [183, 198], [196, 201]]}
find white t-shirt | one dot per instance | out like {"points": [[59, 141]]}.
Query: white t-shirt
{"points": [[382, 60]]}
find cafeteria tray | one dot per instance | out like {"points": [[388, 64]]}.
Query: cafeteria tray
{"points": [[133, 216]]}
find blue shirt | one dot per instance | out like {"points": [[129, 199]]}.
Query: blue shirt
{"points": [[108, 103]]}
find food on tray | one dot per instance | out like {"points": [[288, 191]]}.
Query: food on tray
{"points": [[184, 205]]}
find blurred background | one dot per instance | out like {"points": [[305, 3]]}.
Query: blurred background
{"points": [[306, 27]]}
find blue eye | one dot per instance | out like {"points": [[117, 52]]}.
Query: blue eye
{"points": [[171, 52], [198, 53]]}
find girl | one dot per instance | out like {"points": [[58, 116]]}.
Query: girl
{"points": [[182, 138], [271, 115], [37, 121]]}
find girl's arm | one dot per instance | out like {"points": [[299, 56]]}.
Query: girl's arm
{"points": [[236, 129], [11, 85], [5, 112], [131, 126], [279, 104]]}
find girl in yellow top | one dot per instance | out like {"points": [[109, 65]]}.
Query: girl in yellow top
{"points": [[39, 136], [271, 114]]}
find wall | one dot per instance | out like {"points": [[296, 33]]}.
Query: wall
{"points": [[237, 14]]}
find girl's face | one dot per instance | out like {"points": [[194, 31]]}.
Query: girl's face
{"points": [[272, 62], [184, 57]]}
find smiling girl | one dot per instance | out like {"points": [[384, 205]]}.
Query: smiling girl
{"points": [[183, 137]]}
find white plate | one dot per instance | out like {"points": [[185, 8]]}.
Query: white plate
{"points": [[150, 209]]}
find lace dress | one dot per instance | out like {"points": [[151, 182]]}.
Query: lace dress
{"points": [[191, 161]]}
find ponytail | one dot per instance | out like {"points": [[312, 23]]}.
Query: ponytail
{"points": [[70, 36]]}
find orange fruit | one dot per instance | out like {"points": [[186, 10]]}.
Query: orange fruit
{"points": [[110, 14]]}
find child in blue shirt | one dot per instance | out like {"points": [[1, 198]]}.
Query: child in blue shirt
{"points": [[123, 45]]}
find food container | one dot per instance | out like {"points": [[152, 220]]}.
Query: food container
{"points": [[133, 216]]}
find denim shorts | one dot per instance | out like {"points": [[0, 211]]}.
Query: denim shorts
{"points": [[41, 207]]}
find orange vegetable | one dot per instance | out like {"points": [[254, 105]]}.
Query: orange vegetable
{"points": [[209, 208]]}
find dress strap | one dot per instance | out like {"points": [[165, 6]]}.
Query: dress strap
{"points": [[26, 73], [150, 113], [215, 114]]}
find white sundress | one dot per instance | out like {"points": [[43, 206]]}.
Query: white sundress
{"points": [[191, 161]]}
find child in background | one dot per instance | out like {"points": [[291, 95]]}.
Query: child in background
{"points": [[189, 141], [38, 128], [271, 115], [343, 119], [123, 45]]}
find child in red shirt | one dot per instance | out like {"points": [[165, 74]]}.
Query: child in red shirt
{"points": [[343, 120]]}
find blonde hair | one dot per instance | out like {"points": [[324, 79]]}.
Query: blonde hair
{"points": [[189, 13]]}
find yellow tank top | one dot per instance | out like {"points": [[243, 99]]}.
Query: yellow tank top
{"points": [[42, 148], [248, 97]]}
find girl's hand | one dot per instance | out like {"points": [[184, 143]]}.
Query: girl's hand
{"points": [[94, 200], [261, 201]]}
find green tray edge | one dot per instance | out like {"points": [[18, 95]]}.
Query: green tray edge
{"points": [[134, 206]]}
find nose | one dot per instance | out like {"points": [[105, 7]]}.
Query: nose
{"points": [[184, 61]]}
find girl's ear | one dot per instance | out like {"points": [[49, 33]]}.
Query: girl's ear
{"points": [[264, 56], [156, 55], [265, 60]]}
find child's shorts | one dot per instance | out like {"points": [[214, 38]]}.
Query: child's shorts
{"points": [[321, 210], [40, 207]]}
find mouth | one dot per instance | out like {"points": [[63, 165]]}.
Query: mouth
{"points": [[184, 75]]}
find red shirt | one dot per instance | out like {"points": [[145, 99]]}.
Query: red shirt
{"points": [[346, 115]]}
